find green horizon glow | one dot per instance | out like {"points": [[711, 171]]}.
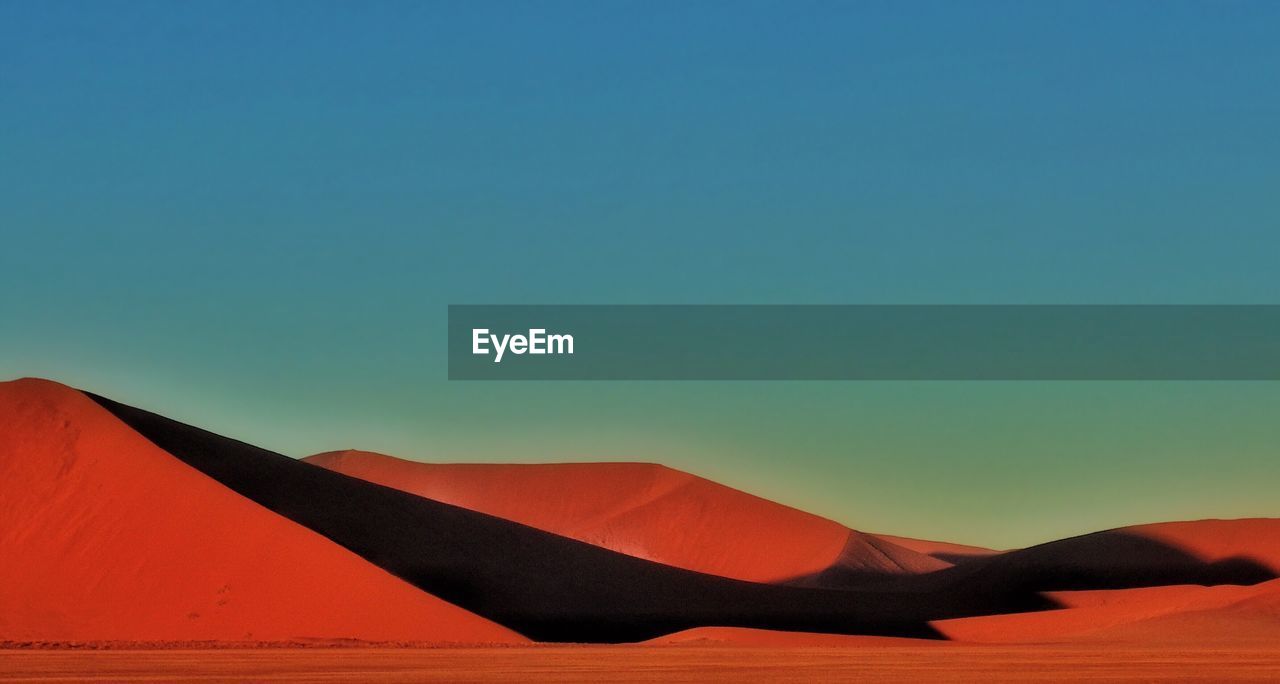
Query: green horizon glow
{"points": [[251, 218]]}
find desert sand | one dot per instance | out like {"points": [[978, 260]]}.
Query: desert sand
{"points": [[604, 664]]}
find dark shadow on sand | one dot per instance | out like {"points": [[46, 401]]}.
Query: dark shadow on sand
{"points": [[552, 588]]}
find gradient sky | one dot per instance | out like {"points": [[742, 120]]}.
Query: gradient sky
{"points": [[251, 215]]}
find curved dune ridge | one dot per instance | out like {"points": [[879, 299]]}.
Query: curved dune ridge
{"points": [[1203, 552], [653, 512], [106, 537], [953, 554]]}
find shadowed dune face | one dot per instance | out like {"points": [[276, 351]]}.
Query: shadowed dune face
{"points": [[1132, 557], [1252, 540], [1125, 580], [106, 537], [653, 512]]}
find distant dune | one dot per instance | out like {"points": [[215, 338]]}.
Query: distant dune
{"points": [[1180, 581], [1204, 552], [105, 536], [1253, 621], [763, 638], [1251, 540], [118, 525], [654, 512], [951, 553], [1131, 613], [1086, 614]]}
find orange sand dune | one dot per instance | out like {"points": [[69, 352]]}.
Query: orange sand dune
{"points": [[952, 553], [106, 537], [652, 512], [1086, 612], [740, 636], [1253, 619], [1250, 546]]}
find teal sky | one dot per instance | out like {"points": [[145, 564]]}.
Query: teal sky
{"points": [[251, 216]]}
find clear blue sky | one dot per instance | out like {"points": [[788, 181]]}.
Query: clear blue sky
{"points": [[251, 215]]}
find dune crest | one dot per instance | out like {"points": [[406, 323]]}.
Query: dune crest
{"points": [[107, 537]]}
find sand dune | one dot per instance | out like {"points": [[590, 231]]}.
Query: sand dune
{"points": [[546, 586], [121, 525], [1087, 614], [738, 636], [1253, 620], [1178, 581], [653, 512], [106, 537], [1205, 552], [945, 551]]}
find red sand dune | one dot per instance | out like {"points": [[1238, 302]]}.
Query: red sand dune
{"points": [[106, 537], [547, 586], [1253, 620], [740, 636], [1240, 615], [652, 512], [946, 551], [1206, 552]]}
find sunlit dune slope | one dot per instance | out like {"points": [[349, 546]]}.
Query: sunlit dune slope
{"points": [[1179, 613], [946, 551], [107, 537], [653, 512], [1253, 620]]}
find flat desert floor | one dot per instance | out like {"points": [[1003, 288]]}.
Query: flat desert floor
{"points": [[694, 663]]}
